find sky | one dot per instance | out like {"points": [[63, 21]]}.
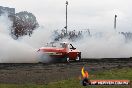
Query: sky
{"points": [[82, 14]]}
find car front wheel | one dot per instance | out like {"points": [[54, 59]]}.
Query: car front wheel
{"points": [[68, 59], [78, 57]]}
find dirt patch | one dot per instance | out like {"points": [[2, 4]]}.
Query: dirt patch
{"points": [[45, 73]]}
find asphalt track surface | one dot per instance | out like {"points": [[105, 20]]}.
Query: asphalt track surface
{"points": [[41, 73]]}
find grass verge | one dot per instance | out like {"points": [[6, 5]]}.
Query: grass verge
{"points": [[117, 73]]}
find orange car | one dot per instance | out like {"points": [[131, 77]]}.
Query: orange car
{"points": [[60, 53]]}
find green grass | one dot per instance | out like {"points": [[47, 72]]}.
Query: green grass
{"points": [[122, 73]]}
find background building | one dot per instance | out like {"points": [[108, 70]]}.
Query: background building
{"points": [[10, 12]]}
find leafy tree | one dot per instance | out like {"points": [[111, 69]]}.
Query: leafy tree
{"points": [[24, 24]]}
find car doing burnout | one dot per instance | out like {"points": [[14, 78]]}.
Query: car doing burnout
{"points": [[62, 52]]}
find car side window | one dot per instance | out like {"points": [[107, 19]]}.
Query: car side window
{"points": [[70, 46]]}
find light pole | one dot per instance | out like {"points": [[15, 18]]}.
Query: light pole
{"points": [[66, 16], [115, 21]]}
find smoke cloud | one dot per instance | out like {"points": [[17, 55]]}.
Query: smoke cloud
{"points": [[23, 50], [105, 44], [102, 44]]}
